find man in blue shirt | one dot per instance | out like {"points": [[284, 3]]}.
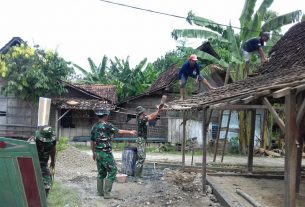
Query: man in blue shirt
{"points": [[253, 45], [191, 68]]}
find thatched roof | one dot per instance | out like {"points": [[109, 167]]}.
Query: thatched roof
{"points": [[286, 68]]}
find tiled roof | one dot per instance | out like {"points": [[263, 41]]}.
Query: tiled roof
{"points": [[81, 104], [105, 91], [286, 68], [165, 79]]}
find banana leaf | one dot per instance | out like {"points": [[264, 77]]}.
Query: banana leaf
{"points": [[194, 33], [85, 72], [233, 44], [282, 20], [255, 27], [207, 57], [203, 22], [246, 15]]}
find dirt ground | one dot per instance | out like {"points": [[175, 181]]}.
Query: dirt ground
{"points": [[267, 192], [161, 187]]}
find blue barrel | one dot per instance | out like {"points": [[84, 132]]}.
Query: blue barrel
{"points": [[129, 158]]}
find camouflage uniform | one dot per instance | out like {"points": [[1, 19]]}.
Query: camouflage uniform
{"points": [[101, 135], [45, 143], [141, 142]]}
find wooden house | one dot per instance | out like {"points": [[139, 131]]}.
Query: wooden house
{"points": [[71, 113], [280, 81]]}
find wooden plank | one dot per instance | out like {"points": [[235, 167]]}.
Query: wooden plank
{"points": [[282, 92], [204, 150], [251, 143], [276, 117], [262, 93], [290, 150], [227, 106], [227, 74]]}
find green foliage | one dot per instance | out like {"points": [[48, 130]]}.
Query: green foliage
{"points": [[62, 144], [62, 196], [234, 145], [30, 73], [282, 20]]}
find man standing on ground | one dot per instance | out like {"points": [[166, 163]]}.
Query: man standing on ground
{"points": [[101, 135], [255, 45], [191, 68], [45, 143], [142, 120]]}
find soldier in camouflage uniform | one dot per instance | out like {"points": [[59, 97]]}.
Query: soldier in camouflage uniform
{"points": [[45, 143], [101, 134], [142, 120]]}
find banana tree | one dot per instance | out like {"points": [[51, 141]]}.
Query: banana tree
{"points": [[97, 74], [251, 24]]}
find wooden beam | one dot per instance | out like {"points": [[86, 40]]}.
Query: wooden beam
{"points": [[183, 138], [262, 93], [218, 135], [226, 136], [204, 150], [282, 92], [300, 88], [227, 74], [290, 150], [251, 142], [301, 133], [301, 113], [276, 117], [227, 106], [248, 99]]}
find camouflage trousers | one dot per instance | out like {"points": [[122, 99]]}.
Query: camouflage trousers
{"points": [[141, 151], [106, 166], [46, 176]]}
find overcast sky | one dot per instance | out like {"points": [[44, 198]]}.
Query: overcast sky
{"points": [[79, 29]]}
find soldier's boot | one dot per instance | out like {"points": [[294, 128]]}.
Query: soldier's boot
{"points": [[107, 190], [138, 175], [100, 186]]}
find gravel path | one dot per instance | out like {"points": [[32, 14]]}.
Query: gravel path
{"points": [[161, 187]]}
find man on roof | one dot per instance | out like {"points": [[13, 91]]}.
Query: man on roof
{"points": [[255, 45], [191, 68]]}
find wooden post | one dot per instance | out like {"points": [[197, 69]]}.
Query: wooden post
{"points": [[301, 134], [251, 142], [218, 134], [290, 150], [227, 74], [226, 136], [56, 124], [183, 139], [204, 150]]}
